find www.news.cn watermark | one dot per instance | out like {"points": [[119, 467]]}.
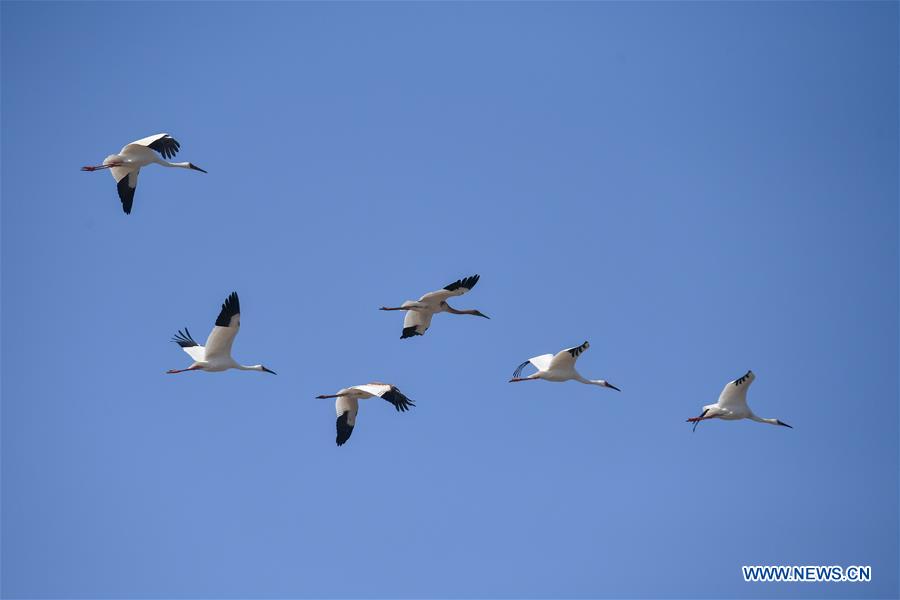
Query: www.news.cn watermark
{"points": [[808, 573]]}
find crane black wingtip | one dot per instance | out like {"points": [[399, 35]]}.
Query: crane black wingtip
{"points": [[126, 194], [343, 430], [398, 399], [518, 370], [409, 332], [577, 350], [466, 282], [167, 146], [740, 380], [184, 339], [230, 308]]}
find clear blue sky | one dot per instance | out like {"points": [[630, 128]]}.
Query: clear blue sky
{"points": [[696, 188]]}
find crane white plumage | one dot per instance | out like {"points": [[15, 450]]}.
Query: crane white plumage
{"points": [[419, 312], [347, 404], [216, 354], [732, 404], [558, 367], [126, 165]]}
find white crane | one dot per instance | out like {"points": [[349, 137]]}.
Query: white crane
{"points": [[732, 404], [126, 165], [419, 312], [216, 355], [347, 404], [560, 367]]}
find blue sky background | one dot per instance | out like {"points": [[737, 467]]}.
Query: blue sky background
{"points": [[696, 188]]}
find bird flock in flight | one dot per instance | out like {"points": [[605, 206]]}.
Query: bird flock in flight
{"points": [[215, 355]]}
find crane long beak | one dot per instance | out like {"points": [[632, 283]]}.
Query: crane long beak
{"points": [[783, 424], [269, 371], [609, 385], [196, 168]]}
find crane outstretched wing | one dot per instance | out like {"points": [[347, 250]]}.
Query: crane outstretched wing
{"points": [[227, 324], [346, 408], [457, 288], [565, 359], [166, 145], [416, 322], [734, 394], [387, 392], [189, 345], [541, 363], [126, 182]]}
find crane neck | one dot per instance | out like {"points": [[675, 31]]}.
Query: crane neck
{"points": [[181, 165]]}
